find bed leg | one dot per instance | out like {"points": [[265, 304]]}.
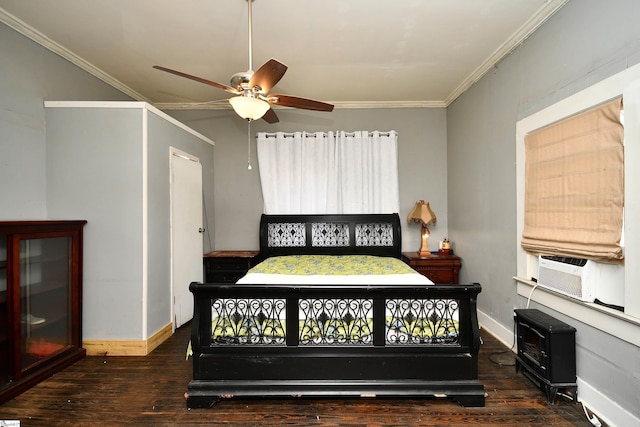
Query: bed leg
{"points": [[468, 401], [194, 402]]}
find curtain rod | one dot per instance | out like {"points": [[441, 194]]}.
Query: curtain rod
{"points": [[289, 134]]}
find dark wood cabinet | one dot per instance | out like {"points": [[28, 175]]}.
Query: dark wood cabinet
{"points": [[440, 268], [227, 266], [40, 301]]}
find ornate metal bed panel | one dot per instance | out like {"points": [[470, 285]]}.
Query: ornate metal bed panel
{"points": [[347, 340], [372, 234]]}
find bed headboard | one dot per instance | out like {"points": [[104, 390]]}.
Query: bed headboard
{"points": [[347, 234]]}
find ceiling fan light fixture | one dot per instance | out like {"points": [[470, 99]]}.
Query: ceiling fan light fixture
{"points": [[249, 108], [252, 87]]}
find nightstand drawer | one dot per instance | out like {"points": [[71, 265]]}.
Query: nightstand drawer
{"points": [[440, 269], [437, 275], [230, 264], [227, 266]]}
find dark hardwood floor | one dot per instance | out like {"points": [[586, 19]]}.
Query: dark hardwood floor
{"points": [[150, 390]]}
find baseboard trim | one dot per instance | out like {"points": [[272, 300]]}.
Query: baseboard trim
{"points": [[604, 408], [159, 337], [505, 335], [127, 347]]}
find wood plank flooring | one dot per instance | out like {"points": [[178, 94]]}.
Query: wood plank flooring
{"points": [[150, 390]]}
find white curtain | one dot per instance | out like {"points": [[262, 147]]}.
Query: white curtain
{"points": [[329, 173]]}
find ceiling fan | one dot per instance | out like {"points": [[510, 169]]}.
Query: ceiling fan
{"points": [[253, 100]]}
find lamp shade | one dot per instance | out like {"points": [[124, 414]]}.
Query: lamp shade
{"points": [[422, 213], [249, 108]]}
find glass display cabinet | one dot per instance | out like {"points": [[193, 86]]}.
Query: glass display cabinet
{"points": [[40, 301]]}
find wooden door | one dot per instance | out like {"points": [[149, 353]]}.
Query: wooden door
{"points": [[186, 232]]}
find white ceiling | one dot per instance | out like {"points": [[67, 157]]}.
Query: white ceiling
{"points": [[354, 53]]}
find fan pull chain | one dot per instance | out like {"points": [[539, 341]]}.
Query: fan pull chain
{"points": [[249, 144]]}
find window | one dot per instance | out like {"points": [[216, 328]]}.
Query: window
{"points": [[574, 186], [623, 325]]}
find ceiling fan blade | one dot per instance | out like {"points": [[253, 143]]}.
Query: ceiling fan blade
{"points": [[270, 116], [296, 102], [198, 79], [268, 75]]}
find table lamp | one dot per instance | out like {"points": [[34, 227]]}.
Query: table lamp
{"points": [[423, 214]]}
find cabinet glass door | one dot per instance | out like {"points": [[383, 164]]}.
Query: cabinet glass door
{"points": [[45, 275]]}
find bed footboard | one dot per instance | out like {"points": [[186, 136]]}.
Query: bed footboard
{"points": [[335, 340]]}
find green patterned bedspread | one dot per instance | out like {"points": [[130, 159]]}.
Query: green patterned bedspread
{"points": [[329, 265]]}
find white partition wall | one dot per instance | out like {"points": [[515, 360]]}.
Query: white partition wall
{"points": [[108, 163]]}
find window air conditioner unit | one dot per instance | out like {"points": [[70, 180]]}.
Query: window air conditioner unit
{"points": [[574, 277], [583, 279]]}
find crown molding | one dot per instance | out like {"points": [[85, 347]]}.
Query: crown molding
{"points": [[336, 104], [389, 104], [38, 37], [542, 15]]}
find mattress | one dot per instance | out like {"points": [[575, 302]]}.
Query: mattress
{"points": [[333, 269]]}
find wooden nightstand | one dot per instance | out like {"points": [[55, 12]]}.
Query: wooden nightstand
{"points": [[227, 266], [441, 269]]}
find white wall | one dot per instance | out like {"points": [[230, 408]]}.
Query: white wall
{"points": [[585, 42], [29, 74], [94, 171], [108, 163], [422, 158], [162, 136]]}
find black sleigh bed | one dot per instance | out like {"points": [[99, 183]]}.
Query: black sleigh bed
{"points": [[332, 338]]}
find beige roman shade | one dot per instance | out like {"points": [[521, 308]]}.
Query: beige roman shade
{"points": [[574, 186]]}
